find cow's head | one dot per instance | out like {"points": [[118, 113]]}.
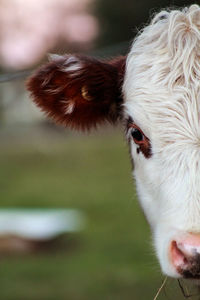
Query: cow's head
{"points": [[156, 90]]}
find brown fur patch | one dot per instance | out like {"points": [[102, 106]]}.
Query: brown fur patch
{"points": [[79, 91]]}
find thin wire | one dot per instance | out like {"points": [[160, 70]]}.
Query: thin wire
{"points": [[160, 289], [14, 76], [105, 51]]}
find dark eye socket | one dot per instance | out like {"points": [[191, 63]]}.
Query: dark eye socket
{"points": [[137, 135]]}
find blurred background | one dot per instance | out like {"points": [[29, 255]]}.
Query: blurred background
{"points": [[70, 224]]}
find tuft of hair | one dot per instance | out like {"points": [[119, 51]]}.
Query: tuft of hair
{"points": [[169, 48], [79, 91]]}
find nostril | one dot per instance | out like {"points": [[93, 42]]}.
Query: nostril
{"points": [[185, 255], [179, 259]]}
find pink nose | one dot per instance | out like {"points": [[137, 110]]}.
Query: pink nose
{"points": [[185, 256]]}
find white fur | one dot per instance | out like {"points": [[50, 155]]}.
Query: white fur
{"points": [[54, 57], [68, 106], [72, 64], [162, 95]]}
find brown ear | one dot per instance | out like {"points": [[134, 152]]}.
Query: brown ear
{"points": [[79, 91]]}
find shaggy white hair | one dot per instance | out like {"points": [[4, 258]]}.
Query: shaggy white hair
{"points": [[162, 95], [174, 39]]}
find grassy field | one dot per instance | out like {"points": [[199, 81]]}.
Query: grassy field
{"points": [[112, 259]]}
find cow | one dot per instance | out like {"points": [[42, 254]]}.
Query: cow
{"points": [[155, 92]]}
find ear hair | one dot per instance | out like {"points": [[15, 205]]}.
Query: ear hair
{"points": [[79, 91]]}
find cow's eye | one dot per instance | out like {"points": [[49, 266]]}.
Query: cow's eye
{"points": [[137, 135], [140, 139]]}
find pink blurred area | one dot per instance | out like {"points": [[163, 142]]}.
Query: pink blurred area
{"points": [[31, 28]]}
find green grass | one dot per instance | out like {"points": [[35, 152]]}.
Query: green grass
{"points": [[113, 257]]}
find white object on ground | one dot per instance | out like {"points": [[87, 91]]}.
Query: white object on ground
{"points": [[40, 224]]}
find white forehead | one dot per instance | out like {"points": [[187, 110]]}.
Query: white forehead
{"points": [[162, 80]]}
